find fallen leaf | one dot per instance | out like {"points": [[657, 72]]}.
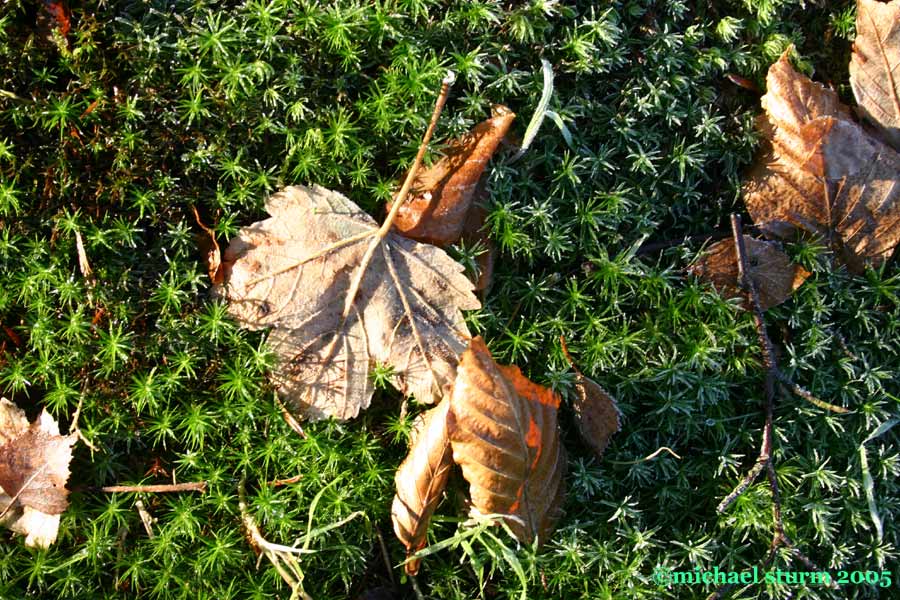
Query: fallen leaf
{"points": [[337, 303], [421, 480], [34, 468], [875, 65], [775, 276], [596, 412], [436, 210], [822, 173], [504, 434], [210, 248]]}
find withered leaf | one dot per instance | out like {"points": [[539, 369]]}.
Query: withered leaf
{"points": [[822, 173], [436, 210], [875, 65], [504, 434], [421, 480], [596, 414], [775, 276], [339, 298], [209, 246], [34, 468]]}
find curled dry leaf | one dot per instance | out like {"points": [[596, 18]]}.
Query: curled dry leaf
{"points": [[34, 468], [504, 434], [436, 210], [596, 412], [875, 65], [775, 276], [822, 173], [209, 246], [339, 298], [421, 480]]}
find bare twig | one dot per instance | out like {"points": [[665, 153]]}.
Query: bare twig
{"points": [[773, 376], [195, 486]]}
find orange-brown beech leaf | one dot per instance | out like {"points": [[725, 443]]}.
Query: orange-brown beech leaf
{"points": [[875, 65], [34, 468], [775, 276], [823, 174], [421, 480], [504, 434], [435, 212], [340, 298]]}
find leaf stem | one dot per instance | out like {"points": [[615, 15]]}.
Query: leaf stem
{"points": [[398, 200]]}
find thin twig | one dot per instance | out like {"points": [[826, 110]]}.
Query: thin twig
{"points": [[764, 461], [385, 556], [195, 486], [749, 286]]}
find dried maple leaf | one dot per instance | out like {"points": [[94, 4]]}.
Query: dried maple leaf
{"points": [[504, 434], [339, 297], [34, 468], [436, 210], [875, 65], [775, 276], [421, 480], [823, 173]]}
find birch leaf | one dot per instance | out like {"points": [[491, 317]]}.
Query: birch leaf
{"points": [[875, 65], [504, 434], [775, 276], [34, 468], [436, 210], [421, 480], [823, 174], [339, 299]]}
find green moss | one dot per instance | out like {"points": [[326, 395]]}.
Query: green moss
{"points": [[158, 107]]}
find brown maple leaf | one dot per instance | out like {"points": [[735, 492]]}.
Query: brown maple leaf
{"points": [[822, 173], [775, 276], [340, 296], [875, 65], [504, 434], [34, 468], [442, 195], [421, 480]]}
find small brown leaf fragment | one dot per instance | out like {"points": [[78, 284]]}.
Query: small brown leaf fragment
{"points": [[210, 248], [596, 412], [421, 480], [436, 210], [875, 65], [34, 468], [295, 272], [504, 434], [823, 174], [776, 277]]}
